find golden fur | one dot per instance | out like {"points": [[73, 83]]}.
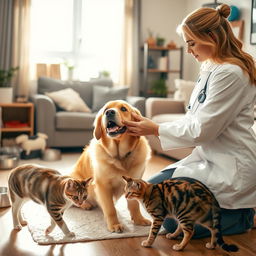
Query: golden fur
{"points": [[111, 154]]}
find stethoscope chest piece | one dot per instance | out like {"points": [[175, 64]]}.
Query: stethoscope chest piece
{"points": [[201, 96]]}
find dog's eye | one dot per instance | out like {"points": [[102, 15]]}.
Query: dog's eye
{"points": [[123, 109]]}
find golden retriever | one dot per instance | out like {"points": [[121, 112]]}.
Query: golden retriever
{"points": [[111, 154]]}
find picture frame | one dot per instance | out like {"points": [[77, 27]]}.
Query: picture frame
{"points": [[253, 23]]}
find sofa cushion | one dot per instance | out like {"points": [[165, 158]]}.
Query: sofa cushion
{"points": [[74, 120], [102, 94], [166, 117], [46, 84], [69, 100], [183, 90]]}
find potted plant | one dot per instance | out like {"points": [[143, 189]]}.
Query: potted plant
{"points": [[6, 90], [151, 41], [104, 74], [160, 41], [159, 88], [70, 67]]}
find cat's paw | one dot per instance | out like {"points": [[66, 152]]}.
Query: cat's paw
{"points": [[142, 222], [71, 234], [177, 247], [17, 227], [145, 243], [170, 236], [117, 228], [210, 246], [86, 206]]}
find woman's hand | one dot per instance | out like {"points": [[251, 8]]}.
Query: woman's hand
{"points": [[141, 126]]}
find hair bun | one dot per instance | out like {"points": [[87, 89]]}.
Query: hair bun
{"points": [[224, 10]]}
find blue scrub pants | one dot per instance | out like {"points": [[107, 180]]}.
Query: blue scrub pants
{"points": [[232, 221]]}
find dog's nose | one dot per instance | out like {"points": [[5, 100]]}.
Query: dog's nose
{"points": [[110, 113]]}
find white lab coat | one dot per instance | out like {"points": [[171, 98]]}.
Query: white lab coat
{"points": [[224, 158]]}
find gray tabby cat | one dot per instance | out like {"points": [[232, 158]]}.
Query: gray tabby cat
{"points": [[47, 187]]}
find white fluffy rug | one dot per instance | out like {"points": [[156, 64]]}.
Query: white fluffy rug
{"points": [[87, 225]]}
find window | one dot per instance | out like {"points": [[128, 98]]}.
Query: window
{"points": [[84, 33]]}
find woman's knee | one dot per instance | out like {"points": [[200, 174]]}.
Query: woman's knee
{"points": [[161, 176]]}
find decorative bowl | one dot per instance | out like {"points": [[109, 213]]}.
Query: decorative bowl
{"points": [[4, 198], [9, 157], [8, 162]]}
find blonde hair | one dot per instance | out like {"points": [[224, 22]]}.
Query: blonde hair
{"points": [[210, 27]]}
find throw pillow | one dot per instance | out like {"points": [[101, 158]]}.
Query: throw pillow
{"points": [[102, 94], [69, 100], [183, 90]]}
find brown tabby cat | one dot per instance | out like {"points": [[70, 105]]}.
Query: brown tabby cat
{"points": [[48, 187], [186, 199]]}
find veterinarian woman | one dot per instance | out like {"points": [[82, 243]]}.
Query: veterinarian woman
{"points": [[218, 122]]}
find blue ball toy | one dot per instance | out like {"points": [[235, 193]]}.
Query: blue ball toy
{"points": [[234, 14]]}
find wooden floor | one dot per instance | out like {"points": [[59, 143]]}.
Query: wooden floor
{"points": [[14, 243]]}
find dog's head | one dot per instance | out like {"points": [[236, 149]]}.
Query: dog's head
{"points": [[108, 121]]}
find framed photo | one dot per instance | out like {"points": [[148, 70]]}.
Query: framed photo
{"points": [[253, 22]]}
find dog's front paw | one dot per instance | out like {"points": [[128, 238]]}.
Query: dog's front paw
{"points": [[142, 222], [146, 243], [118, 228]]}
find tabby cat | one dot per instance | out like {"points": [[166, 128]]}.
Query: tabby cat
{"points": [[186, 199], [47, 187]]}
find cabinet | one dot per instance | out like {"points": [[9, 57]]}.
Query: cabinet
{"points": [[16, 118], [161, 67]]}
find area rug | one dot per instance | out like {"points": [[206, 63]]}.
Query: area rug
{"points": [[87, 225]]}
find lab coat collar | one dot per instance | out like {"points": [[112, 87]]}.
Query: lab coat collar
{"points": [[208, 66]]}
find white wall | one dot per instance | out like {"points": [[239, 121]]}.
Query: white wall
{"points": [[163, 16]]}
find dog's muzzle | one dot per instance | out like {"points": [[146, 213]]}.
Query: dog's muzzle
{"points": [[113, 129]]}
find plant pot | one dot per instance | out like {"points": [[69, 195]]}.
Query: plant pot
{"points": [[6, 94], [70, 74]]}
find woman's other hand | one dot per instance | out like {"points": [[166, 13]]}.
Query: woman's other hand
{"points": [[141, 126]]}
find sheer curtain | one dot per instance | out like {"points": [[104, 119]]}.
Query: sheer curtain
{"points": [[20, 45], [14, 31], [129, 72], [5, 34]]}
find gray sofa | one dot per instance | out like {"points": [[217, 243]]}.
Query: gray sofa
{"points": [[74, 129], [165, 110]]}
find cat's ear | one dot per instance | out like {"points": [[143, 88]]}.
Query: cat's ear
{"points": [[87, 181], [70, 184], [127, 179]]}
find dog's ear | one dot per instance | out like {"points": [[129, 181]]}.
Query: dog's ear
{"points": [[97, 132]]}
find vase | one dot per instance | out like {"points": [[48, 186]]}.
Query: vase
{"points": [[70, 75], [6, 94]]}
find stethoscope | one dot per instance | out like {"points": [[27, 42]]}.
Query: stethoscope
{"points": [[202, 94]]}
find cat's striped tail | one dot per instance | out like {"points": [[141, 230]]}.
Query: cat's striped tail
{"points": [[224, 246], [219, 238]]}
